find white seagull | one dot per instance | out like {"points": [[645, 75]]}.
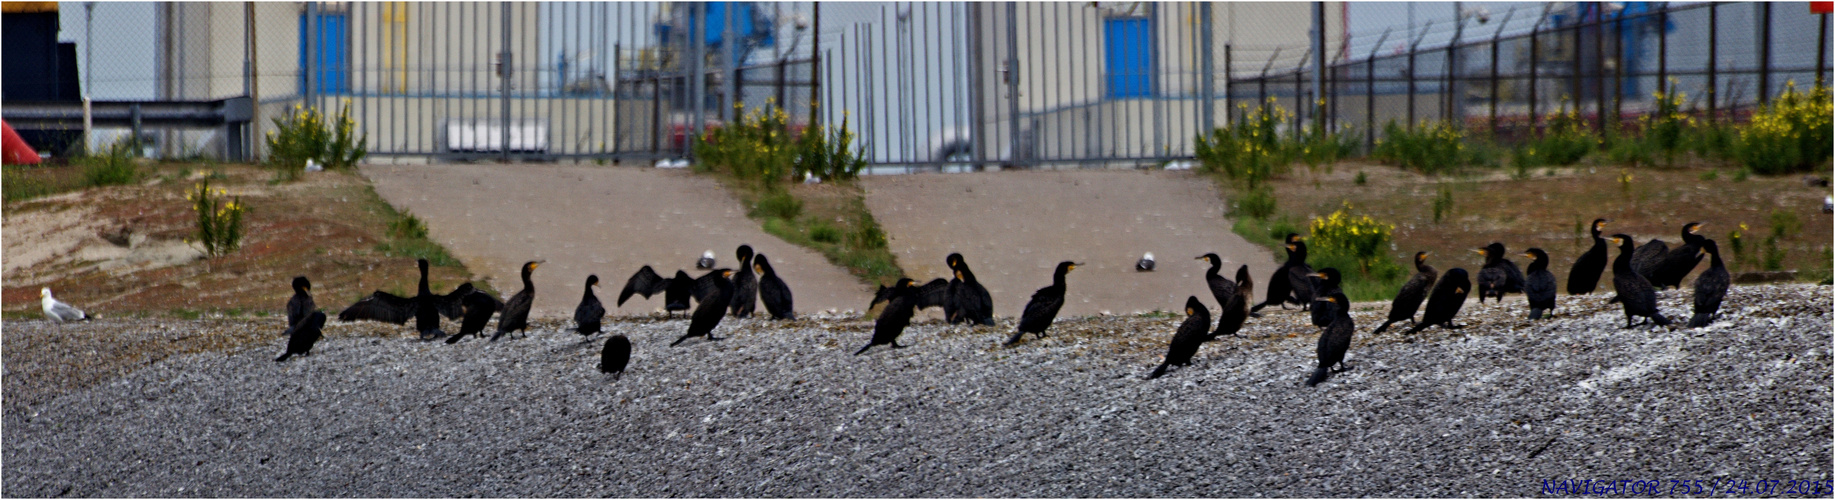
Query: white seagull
{"points": [[59, 311], [707, 260], [1145, 264]]}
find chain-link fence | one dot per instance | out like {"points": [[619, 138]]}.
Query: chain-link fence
{"points": [[923, 85]]}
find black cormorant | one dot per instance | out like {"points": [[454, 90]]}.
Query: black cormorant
{"points": [[1329, 281], [707, 315], [1230, 320], [1539, 284], [1408, 299], [1191, 334], [1584, 277], [901, 304], [1280, 286], [1647, 258], [424, 307], [1679, 261], [1710, 287], [1634, 291], [1222, 289], [1499, 275], [745, 285], [772, 290], [615, 355], [1044, 306], [1334, 340], [677, 291], [302, 335], [590, 313], [479, 307], [968, 300], [1448, 297], [515, 314], [301, 304]]}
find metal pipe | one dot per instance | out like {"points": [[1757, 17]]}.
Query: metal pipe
{"points": [[504, 119], [1765, 52], [1713, 58]]}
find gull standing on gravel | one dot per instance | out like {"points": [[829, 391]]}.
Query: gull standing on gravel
{"points": [[59, 311]]}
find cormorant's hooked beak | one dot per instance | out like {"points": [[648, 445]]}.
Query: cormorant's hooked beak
{"points": [[1695, 228], [1528, 255], [1458, 290], [1319, 275], [1291, 247], [1481, 251], [1333, 299], [758, 269]]}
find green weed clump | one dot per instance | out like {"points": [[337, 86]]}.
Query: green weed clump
{"points": [[1250, 151], [779, 204], [1794, 133], [1433, 149], [1566, 141], [1443, 204], [219, 222], [115, 166], [1358, 246], [760, 147], [307, 134]]}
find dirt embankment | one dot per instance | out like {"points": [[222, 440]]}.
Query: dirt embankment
{"points": [[1014, 227], [597, 220]]}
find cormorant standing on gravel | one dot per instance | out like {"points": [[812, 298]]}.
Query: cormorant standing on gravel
{"points": [[1679, 261], [1408, 300], [1222, 289], [707, 315], [302, 335], [1280, 284], [772, 290], [1710, 287], [1539, 285], [901, 304], [479, 307], [301, 304], [1499, 275], [424, 307], [1044, 306], [1448, 297], [590, 313], [1230, 320], [615, 355], [1329, 281], [1584, 276], [1647, 258], [1335, 340], [1191, 334], [745, 285], [677, 291], [516, 310], [1634, 291], [969, 300]]}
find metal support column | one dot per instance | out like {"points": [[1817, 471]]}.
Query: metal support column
{"points": [[1207, 83]]}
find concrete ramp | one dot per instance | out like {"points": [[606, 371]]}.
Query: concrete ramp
{"points": [[597, 220], [1014, 227]]}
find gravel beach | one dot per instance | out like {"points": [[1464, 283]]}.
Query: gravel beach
{"points": [[783, 409]]}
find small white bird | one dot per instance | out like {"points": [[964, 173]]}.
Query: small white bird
{"points": [[313, 165], [59, 311], [707, 260], [1145, 264]]}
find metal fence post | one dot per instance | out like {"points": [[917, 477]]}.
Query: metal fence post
{"points": [[1765, 52], [1713, 58], [729, 39], [1663, 50], [1574, 54], [1822, 48], [1370, 93], [1535, 51], [697, 76], [508, 69], [815, 63], [312, 51], [1207, 87], [1228, 85], [976, 92], [1599, 65], [1013, 82]]}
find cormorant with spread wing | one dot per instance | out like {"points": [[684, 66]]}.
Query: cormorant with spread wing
{"points": [[424, 308]]}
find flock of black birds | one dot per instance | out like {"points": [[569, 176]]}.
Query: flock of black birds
{"points": [[1637, 273]]}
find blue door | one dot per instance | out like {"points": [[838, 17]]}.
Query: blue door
{"points": [[329, 61], [1129, 41]]}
